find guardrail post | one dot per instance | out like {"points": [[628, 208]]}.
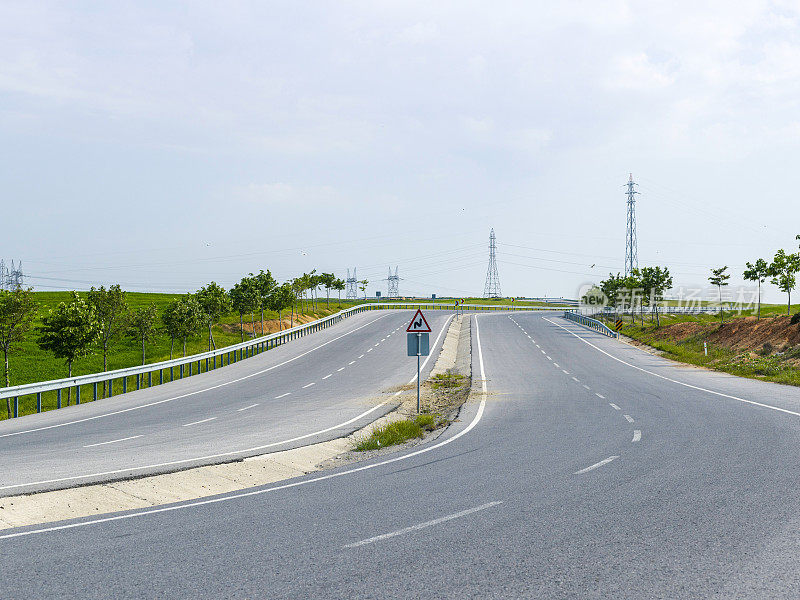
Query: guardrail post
{"points": [[58, 398], [94, 391], [38, 402], [16, 406], [125, 385], [181, 371], [77, 394], [138, 381], [190, 369], [110, 387], [149, 379], [160, 376], [172, 373]]}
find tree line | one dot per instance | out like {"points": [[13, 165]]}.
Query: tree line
{"points": [[79, 327]]}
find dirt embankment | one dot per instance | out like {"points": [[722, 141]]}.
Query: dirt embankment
{"points": [[741, 334], [270, 325]]}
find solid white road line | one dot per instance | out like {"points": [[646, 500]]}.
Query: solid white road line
{"points": [[208, 389], [133, 437], [419, 526], [247, 407], [198, 422], [143, 513], [614, 406], [282, 396], [628, 418], [308, 385], [600, 395], [665, 378], [637, 435], [328, 375], [596, 465]]}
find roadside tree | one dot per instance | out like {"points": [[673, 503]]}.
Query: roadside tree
{"points": [[757, 272], [70, 332], [265, 284], [214, 303], [17, 312], [783, 271], [142, 325], [111, 310], [719, 277], [244, 298]]}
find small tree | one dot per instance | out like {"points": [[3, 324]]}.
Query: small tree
{"points": [[265, 284], [719, 277], [142, 325], [655, 281], [244, 298], [70, 332], [182, 319], [363, 286], [214, 303], [757, 272], [339, 285], [281, 298], [783, 271], [111, 310], [327, 280], [17, 312]]}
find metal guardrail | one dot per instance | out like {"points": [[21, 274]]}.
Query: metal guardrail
{"points": [[154, 373], [590, 323], [666, 310]]}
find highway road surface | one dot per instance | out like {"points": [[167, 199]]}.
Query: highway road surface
{"points": [[311, 389], [587, 469]]}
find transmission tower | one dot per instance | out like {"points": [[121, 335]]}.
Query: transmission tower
{"points": [[352, 286], [15, 276], [631, 251], [2, 274], [393, 284], [492, 287]]}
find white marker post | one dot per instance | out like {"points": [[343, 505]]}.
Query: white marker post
{"points": [[705, 348], [418, 342]]}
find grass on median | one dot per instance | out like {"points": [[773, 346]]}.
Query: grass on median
{"points": [[397, 433]]}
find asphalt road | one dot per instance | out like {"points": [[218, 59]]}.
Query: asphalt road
{"points": [[589, 469], [314, 388]]}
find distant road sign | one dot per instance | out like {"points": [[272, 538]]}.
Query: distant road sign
{"points": [[418, 324]]}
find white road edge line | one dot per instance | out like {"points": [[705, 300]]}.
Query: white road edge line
{"points": [[247, 407], [142, 513], [208, 389], [637, 435], [133, 437], [605, 461], [198, 422], [419, 526], [665, 378]]}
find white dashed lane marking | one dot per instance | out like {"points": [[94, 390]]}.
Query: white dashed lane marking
{"points": [[198, 422], [628, 418], [637, 435], [282, 395], [247, 407], [614, 406], [308, 385]]}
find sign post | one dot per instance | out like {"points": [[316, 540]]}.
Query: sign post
{"points": [[418, 342]]}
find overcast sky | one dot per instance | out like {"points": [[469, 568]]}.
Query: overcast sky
{"points": [[161, 145]]}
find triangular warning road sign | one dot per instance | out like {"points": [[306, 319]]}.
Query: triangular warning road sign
{"points": [[418, 324]]}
